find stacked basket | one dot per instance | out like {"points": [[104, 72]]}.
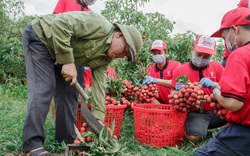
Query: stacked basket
{"points": [[158, 125]]}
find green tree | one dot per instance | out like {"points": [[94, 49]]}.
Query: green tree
{"points": [[179, 46], [152, 26], [12, 21]]}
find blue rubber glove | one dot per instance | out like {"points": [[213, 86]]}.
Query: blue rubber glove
{"points": [[206, 82], [178, 85], [149, 79]]}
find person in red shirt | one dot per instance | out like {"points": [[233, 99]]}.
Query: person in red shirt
{"points": [[201, 69], [242, 3], [87, 72], [234, 91], [65, 95], [73, 5], [160, 73], [225, 56]]}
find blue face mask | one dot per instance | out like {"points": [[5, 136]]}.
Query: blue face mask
{"points": [[199, 62], [231, 47]]}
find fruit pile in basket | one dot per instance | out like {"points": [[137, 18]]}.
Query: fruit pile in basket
{"points": [[147, 93], [141, 94], [114, 91], [189, 96], [218, 109], [111, 101], [129, 89]]}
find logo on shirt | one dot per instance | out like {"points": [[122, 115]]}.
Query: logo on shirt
{"points": [[212, 74], [169, 75]]}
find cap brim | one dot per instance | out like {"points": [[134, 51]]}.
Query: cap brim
{"points": [[128, 40], [217, 33], [205, 50], [157, 48]]}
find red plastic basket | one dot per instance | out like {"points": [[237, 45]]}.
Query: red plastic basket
{"points": [[158, 125], [114, 113]]}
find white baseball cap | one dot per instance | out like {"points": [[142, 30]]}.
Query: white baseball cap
{"points": [[158, 45], [205, 44]]}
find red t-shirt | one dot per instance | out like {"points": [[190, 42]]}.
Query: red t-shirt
{"points": [[235, 83], [213, 71], [69, 5], [87, 75], [166, 74]]}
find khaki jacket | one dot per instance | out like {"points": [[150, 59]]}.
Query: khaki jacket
{"points": [[81, 38]]}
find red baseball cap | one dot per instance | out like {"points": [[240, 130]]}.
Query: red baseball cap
{"points": [[238, 16], [158, 45], [244, 3], [205, 44]]}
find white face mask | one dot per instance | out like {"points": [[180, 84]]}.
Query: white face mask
{"points": [[158, 58], [89, 2], [199, 61], [231, 47]]}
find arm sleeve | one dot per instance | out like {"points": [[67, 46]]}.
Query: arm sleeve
{"points": [[62, 33], [233, 84], [75, 25], [98, 91]]}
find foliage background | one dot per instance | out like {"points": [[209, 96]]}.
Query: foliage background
{"points": [[151, 25], [13, 88]]}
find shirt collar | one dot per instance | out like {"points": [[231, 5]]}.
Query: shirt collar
{"points": [[108, 41], [196, 68], [158, 69], [246, 43]]}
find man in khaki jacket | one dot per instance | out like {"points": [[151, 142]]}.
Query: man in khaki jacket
{"points": [[67, 40]]}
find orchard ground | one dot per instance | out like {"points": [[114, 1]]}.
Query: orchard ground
{"points": [[13, 108]]}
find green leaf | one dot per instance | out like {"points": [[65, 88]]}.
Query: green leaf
{"points": [[182, 79], [201, 108], [104, 133], [112, 128], [78, 134], [88, 133]]}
